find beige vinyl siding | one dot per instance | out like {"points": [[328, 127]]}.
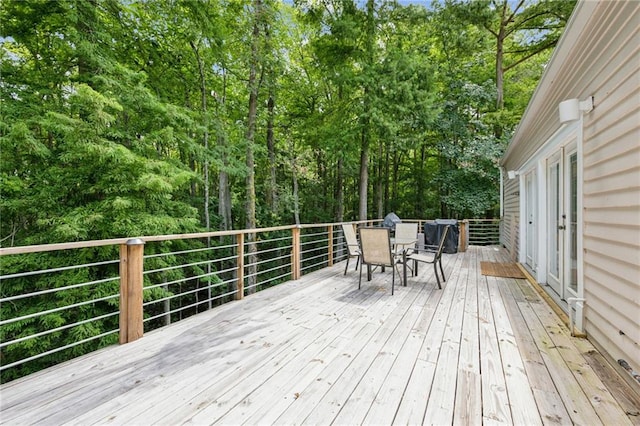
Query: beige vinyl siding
{"points": [[510, 221], [611, 192]]}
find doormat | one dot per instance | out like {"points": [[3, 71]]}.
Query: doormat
{"points": [[504, 270]]}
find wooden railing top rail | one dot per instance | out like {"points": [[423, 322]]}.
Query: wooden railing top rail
{"points": [[152, 238]]}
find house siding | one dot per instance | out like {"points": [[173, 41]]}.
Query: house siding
{"points": [[599, 56], [611, 193], [511, 219]]}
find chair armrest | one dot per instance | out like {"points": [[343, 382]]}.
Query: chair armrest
{"points": [[423, 249]]}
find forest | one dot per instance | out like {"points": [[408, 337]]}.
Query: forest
{"points": [[125, 118]]}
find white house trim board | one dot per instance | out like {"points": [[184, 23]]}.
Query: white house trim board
{"points": [[578, 316], [541, 231]]}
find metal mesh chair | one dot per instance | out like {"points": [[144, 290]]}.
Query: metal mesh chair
{"points": [[375, 250], [428, 254], [351, 241], [405, 231]]}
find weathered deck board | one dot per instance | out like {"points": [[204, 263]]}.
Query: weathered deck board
{"points": [[269, 352], [495, 400], [548, 401], [440, 406], [469, 386], [319, 351], [600, 398], [417, 394], [569, 389]]}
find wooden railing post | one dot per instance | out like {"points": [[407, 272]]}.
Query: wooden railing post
{"points": [[240, 272], [330, 248], [131, 286], [463, 241], [295, 253]]}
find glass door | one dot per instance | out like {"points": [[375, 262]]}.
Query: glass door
{"points": [[562, 223], [531, 224], [555, 223], [571, 256]]}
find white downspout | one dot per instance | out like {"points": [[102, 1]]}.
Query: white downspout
{"points": [[585, 107], [579, 302]]}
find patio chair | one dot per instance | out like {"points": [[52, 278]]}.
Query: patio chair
{"points": [[406, 236], [405, 231], [428, 254], [375, 250], [353, 248]]}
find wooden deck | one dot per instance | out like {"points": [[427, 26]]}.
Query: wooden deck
{"points": [[483, 350]]}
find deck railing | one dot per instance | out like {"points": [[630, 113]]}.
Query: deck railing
{"points": [[484, 232], [54, 308]]}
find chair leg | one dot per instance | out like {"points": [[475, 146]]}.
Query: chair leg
{"points": [[393, 278], [442, 270], [346, 267], [357, 262], [435, 271], [359, 278], [415, 268], [404, 268], [404, 272]]}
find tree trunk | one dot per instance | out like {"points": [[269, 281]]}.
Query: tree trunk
{"points": [[392, 193], [272, 197], [205, 136], [364, 176], [205, 142], [366, 131], [224, 190], [250, 137], [294, 175], [339, 193], [379, 184], [499, 68]]}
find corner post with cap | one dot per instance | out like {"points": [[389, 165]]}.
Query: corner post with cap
{"points": [[131, 286]]}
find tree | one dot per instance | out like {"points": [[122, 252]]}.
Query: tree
{"points": [[521, 29]]}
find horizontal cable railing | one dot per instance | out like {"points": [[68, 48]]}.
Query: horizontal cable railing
{"points": [[54, 308], [484, 232], [313, 250], [182, 283]]}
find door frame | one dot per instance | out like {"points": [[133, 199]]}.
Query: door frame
{"points": [[558, 229], [531, 220], [555, 212]]}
